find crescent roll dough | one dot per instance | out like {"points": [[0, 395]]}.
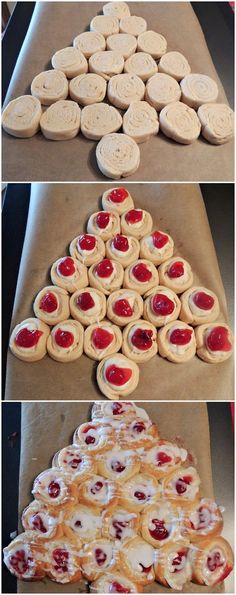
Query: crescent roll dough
{"points": [[161, 305], [21, 116], [107, 64], [99, 119], [89, 42], [198, 89], [61, 121], [106, 25], [217, 120], [136, 222], [88, 248], [176, 273], [125, 88], [102, 339], [123, 249], [199, 305], [104, 223], [68, 273], [116, 9], [28, 340], [117, 376], [51, 305], [122, 42], [180, 122], [152, 43], [65, 343], [174, 64], [133, 25], [141, 64], [161, 90], [50, 86], [117, 156], [88, 88], [117, 199], [70, 61], [140, 121]]}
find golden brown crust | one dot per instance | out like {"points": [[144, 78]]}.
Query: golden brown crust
{"points": [[218, 567]]}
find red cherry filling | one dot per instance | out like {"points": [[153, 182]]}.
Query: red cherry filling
{"points": [[48, 302], [118, 376], [97, 487], [182, 484], [104, 268], [145, 569], [116, 587], [54, 489], [26, 338], [87, 242], [163, 458], [64, 338], [37, 524], [139, 427], [118, 195], [140, 495], [75, 463], [218, 339], [203, 300], [122, 308], [67, 267], [134, 216], [100, 556], [61, 557], [117, 408], [181, 336], [102, 219], [160, 532], [85, 301], [101, 338], [78, 523], [141, 272], [162, 305], [89, 439], [120, 243], [20, 562], [159, 239], [142, 339], [119, 526], [214, 561], [177, 562], [117, 466], [176, 270]]}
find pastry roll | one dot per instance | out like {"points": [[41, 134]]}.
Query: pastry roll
{"points": [[212, 561], [116, 9], [88, 89], [124, 306], [141, 64], [176, 273], [124, 88], [176, 341], [137, 433], [118, 465], [106, 64], [70, 61], [88, 305], [106, 275], [66, 340], [93, 437], [163, 458], [114, 583], [28, 340], [182, 485], [43, 522], [88, 248], [98, 557], [117, 199], [156, 247], [198, 89], [102, 339], [118, 156], [50, 86], [105, 24], [152, 43], [141, 276], [137, 559], [133, 25], [173, 566], [160, 523], [119, 524], [104, 223], [136, 222], [98, 492], [139, 341], [99, 119], [54, 487], [180, 122], [203, 520], [174, 64], [199, 305], [69, 274], [161, 90], [161, 306], [21, 116], [51, 305], [117, 376], [125, 43], [138, 491], [117, 411], [61, 121], [89, 42], [82, 522], [24, 557], [217, 120], [74, 461], [214, 342], [123, 249], [140, 122], [63, 561]]}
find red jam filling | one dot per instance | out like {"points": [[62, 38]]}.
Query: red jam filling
{"points": [[218, 340], [104, 268], [89, 439], [101, 338], [19, 562], [102, 219], [176, 270], [121, 243], [97, 487], [78, 524], [163, 458], [54, 489], [118, 376], [85, 301], [181, 336], [61, 558], [142, 339], [117, 466], [214, 561], [162, 305], [145, 569], [134, 216], [177, 562], [141, 272], [140, 495], [119, 526], [182, 484], [75, 463], [116, 587], [100, 556], [139, 427], [64, 338], [159, 239], [37, 524], [160, 532], [26, 338], [203, 300], [67, 267], [118, 195], [87, 242], [117, 408], [48, 302], [122, 308]]}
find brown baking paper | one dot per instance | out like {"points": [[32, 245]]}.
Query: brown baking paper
{"points": [[54, 26], [58, 213], [48, 427]]}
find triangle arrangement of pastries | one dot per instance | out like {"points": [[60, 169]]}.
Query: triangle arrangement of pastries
{"points": [[122, 298], [120, 65], [122, 508]]}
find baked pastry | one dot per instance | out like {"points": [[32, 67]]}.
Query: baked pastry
{"points": [[179, 122], [174, 64], [98, 557], [50, 86], [161, 90], [88, 88], [88, 248], [21, 116], [139, 341], [136, 222], [152, 43], [71, 61], [176, 273], [104, 223], [214, 342], [198, 89], [117, 376], [203, 520], [137, 433], [61, 121], [63, 560], [182, 485], [137, 559], [94, 437], [123, 249], [28, 340], [125, 43], [88, 305], [157, 247], [124, 306], [51, 305], [141, 64], [102, 339], [69, 273], [106, 64], [173, 567], [105, 24], [217, 120], [117, 199], [199, 305], [140, 121], [124, 88], [114, 583], [89, 42], [98, 492], [161, 305], [119, 524], [160, 523], [82, 522], [133, 25], [163, 458], [118, 465], [24, 557], [116, 9], [117, 411], [43, 522], [106, 275], [99, 119], [66, 340], [55, 488], [176, 341], [212, 562], [138, 491], [118, 156], [141, 276], [74, 460]]}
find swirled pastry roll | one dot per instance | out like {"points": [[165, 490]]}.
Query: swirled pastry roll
{"points": [[63, 560], [94, 437], [152, 43], [87, 248], [125, 88], [88, 305], [217, 120], [161, 305], [133, 25], [28, 340], [116, 9], [163, 458], [140, 490], [68, 273], [97, 492], [161, 90], [55, 488], [136, 222], [51, 305], [141, 276], [118, 465], [82, 522], [123, 249], [119, 524], [137, 433], [176, 341], [140, 121], [199, 305], [117, 376], [105, 24], [117, 199], [157, 247], [89, 42], [124, 306], [141, 64], [204, 519], [182, 485], [107, 275], [180, 122], [106, 64], [176, 273], [173, 565], [117, 156], [104, 223], [214, 342], [65, 342], [61, 121], [174, 64], [50, 86], [73, 460], [21, 116], [117, 411], [99, 119], [122, 42], [212, 561], [24, 557], [102, 339], [137, 559], [198, 89], [46, 524], [114, 582], [98, 557], [70, 61], [88, 89], [160, 523], [139, 341]]}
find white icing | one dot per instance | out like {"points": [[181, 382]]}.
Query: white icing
{"points": [[121, 517], [172, 450], [104, 494], [108, 550], [42, 482], [140, 553], [176, 580], [90, 523], [72, 564], [48, 521], [70, 453], [8, 553]]}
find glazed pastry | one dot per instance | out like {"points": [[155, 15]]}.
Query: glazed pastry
{"points": [[88, 305], [137, 433], [176, 273], [106, 25], [141, 64], [50, 86], [28, 340], [118, 465], [116, 9], [139, 341], [174, 64], [118, 156], [82, 522], [87, 89], [106, 275], [69, 274], [54, 487], [141, 276], [89, 42], [204, 520], [114, 583], [123, 249], [156, 247], [198, 89], [179, 122], [88, 248], [161, 305], [124, 306], [140, 121], [199, 305], [117, 376], [73, 460], [102, 339], [161, 90], [98, 492], [106, 64], [217, 120], [163, 458], [182, 485], [21, 116], [44, 523], [24, 557], [118, 524], [138, 491], [136, 222], [125, 43], [99, 119], [125, 88], [212, 561], [98, 557], [61, 121], [70, 61], [63, 561], [160, 523], [137, 559], [176, 341], [104, 223], [117, 411], [133, 25], [214, 342], [152, 43], [94, 437], [173, 567], [117, 199], [51, 305]]}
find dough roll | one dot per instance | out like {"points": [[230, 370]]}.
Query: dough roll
{"points": [[99, 119], [21, 117], [197, 89], [141, 64], [117, 156], [70, 61], [50, 86], [217, 120], [122, 42], [107, 64], [180, 122], [125, 88], [140, 121], [61, 121], [161, 90], [89, 42]]}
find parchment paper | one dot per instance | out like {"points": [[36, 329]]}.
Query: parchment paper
{"points": [[58, 213], [53, 26]]}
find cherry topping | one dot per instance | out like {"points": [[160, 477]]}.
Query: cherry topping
{"points": [[100, 556], [87, 242], [203, 300], [118, 195], [48, 302], [120, 243], [141, 272], [162, 305], [64, 338], [117, 408], [159, 239], [160, 532], [97, 487], [218, 340], [119, 526], [117, 466], [85, 301], [182, 483], [67, 267], [103, 219], [101, 338], [139, 427], [54, 489], [26, 338], [104, 268], [181, 336], [134, 216], [176, 270], [89, 439], [122, 308], [118, 376], [78, 523], [214, 561], [19, 562], [61, 558], [146, 569], [142, 339], [178, 560], [37, 523], [116, 587], [74, 463], [162, 458], [140, 495]]}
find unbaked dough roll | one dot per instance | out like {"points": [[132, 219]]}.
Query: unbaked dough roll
{"points": [[102, 339], [125, 88], [141, 64], [117, 199], [176, 341], [212, 561], [70, 61], [141, 276], [122, 42], [21, 117], [65, 342], [157, 247], [88, 88], [152, 43], [117, 376], [136, 222], [116, 9], [28, 340], [104, 223], [161, 90], [106, 275], [140, 122], [68, 273], [88, 248], [180, 122], [139, 341], [88, 305], [99, 119], [161, 305], [198, 306], [133, 25], [50, 86], [217, 120], [124, 306], [198, 89], [174, 64], [117, 155], [106, 25], [173, 567], [89, 42], [176, 273], [114, 582], [61, 121], [214, 342], [123, 249], [107, 64], [51, 305]]}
